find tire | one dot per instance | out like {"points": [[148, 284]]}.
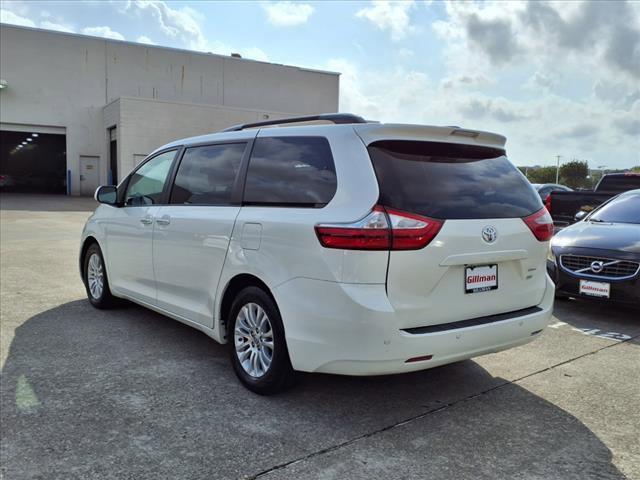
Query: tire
{"points": [[253, 343], [94, 266]]}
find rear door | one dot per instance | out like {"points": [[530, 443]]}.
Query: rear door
{"points": [[192, 233], [485, 259]]}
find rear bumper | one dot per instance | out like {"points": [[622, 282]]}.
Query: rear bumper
{"points": [[353, 330]]}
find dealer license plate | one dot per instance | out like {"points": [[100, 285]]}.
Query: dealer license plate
{"points": [[480, 278], [595, 289]]}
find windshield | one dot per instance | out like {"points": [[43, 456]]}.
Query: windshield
{"points": [[623, 209]]}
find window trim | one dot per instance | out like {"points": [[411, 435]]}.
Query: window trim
{"points": [[236, 192], [245, 173], [163, 197]]}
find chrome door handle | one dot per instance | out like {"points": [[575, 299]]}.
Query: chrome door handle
{"points": [[146, 221], [163, 221]]}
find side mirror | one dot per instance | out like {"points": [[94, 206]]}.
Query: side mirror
{"points": [[580, 215], [107, 194]]}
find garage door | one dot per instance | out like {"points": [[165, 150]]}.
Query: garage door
{"points": [[33, 162]]}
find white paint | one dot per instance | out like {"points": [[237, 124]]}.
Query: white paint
{"points": [[595, 332], [557, 325]]}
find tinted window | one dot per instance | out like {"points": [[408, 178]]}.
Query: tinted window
{"points": [[291, 170], [619, 183], [147, 183], [443, 180], [206, 175], [623, 209]]}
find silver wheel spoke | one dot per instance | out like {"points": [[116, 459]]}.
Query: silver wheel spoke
{"points": [[95, 276], [253, 338]]}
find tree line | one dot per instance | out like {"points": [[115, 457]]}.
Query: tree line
{"points": [[574, 174]]}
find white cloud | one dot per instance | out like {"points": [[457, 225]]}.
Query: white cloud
{"points": [[7, 16], [56, 26], [254, 53], [602, 38], [536, 129], [145, 39], [388, 15], [182, 27], [179, 24], [103, 31], [569, 72], [287, 14]]}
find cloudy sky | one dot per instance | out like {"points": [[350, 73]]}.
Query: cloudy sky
{"points": [[557, 78]]}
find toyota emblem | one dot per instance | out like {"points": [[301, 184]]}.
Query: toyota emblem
{"points": [[597, 266], [489, 234]]}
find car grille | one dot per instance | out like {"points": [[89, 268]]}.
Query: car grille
{"points": [[599, 267]]}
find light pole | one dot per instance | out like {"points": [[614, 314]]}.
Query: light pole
{"points": [[558, 157]]}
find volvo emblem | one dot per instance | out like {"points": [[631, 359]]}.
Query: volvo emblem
{"points": [[597, 266], [489, 234]]}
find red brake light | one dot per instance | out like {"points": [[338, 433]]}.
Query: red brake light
{"points": [[411, 231], [369, 233], [547, 203], [540, 224], [382, 229]]}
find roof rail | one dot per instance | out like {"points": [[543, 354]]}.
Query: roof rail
{"points": [[337, 118]]}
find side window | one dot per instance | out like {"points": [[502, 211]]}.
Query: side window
{"points": [[147, 183], [296, 171], [206, 174]]}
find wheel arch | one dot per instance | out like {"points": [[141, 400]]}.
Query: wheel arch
{"points": [[231, 290], [86, 243]]}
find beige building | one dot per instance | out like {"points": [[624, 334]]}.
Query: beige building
{"points": [[78, 111]]}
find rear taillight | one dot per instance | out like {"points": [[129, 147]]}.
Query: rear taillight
{"points": [[547, 203], [410, 231], [540, 224], [382, 229]]}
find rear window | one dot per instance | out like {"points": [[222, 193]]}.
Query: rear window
{"points": [[290, 171], [618, 183], [449, 181]]}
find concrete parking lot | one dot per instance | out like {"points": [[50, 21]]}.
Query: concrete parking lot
{"points": [[128, 393]]}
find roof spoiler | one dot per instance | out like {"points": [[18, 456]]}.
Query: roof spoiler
{"points": [[337, 118]]}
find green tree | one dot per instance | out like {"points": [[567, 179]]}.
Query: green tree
{"points": [[542, 175], [636, 169], [574, 174]]}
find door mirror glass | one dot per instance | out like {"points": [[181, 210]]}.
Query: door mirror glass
{"points": [[580, 215], [107, 194]]}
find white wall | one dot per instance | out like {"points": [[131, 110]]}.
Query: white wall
{"points": [[63, 80], [138, 136]]}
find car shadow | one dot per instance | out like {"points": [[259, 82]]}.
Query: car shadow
{"points": [[127, 393]]}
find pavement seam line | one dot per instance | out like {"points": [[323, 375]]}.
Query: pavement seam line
{"points": [[425, 414]]}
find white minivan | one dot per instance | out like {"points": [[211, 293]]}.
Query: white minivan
{"points": [[348, 247]]}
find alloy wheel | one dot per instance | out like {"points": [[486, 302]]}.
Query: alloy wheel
{"points": [[253, 337]]}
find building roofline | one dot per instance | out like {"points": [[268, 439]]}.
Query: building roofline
{"points": [[161, 47]]}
